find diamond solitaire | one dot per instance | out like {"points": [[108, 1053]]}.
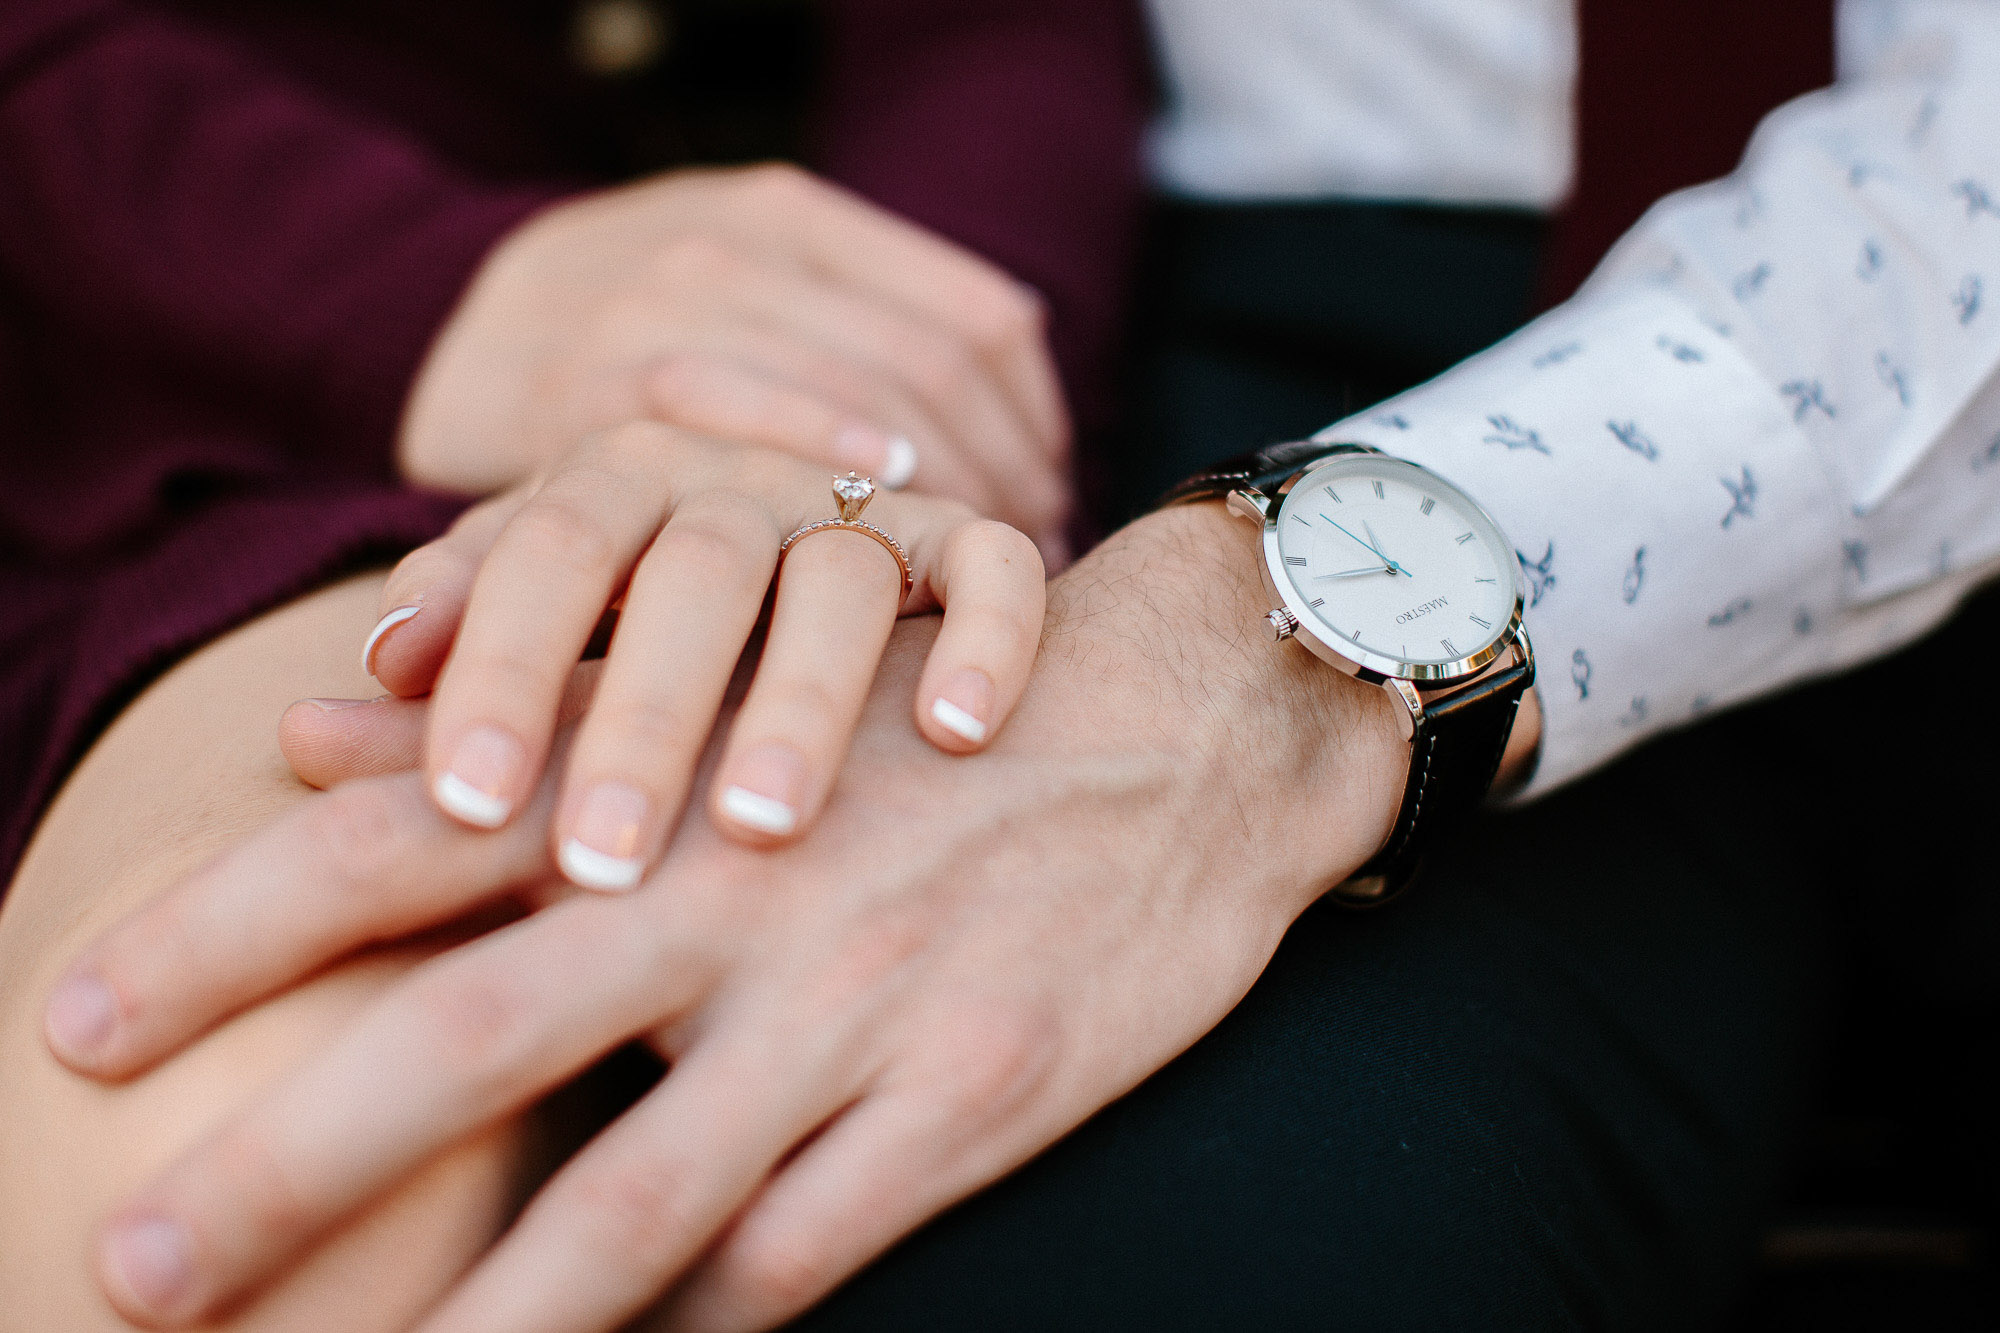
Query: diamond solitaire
{"points": [[853, 491]]}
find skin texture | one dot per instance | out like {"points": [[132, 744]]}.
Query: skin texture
{"points": [[190, 768], [758, 304], [962, 961]]}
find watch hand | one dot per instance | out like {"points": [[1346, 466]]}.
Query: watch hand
{"points": [[1387, 563], [1377, 546], [1355, 573]]}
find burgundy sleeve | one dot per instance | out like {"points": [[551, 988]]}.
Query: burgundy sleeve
{"points": [[167, 196], [1012, 126]]}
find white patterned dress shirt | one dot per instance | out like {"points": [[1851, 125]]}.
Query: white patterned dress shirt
{"points": [[1763, 442]]}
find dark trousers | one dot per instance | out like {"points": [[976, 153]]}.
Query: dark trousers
{"points": [[1547, 1089], [1562, 1081]]}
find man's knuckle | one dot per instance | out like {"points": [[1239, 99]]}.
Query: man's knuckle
{"points": [[877, 949], [998, 1055], [267, 1198], [357, 834], [780, 1273], [642, 1212], [478, 1025]]}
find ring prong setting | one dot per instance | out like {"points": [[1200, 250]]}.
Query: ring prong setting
{"points": [[852, 493]]}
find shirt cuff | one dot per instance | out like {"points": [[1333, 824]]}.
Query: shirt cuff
{"points": [[1678, 541]]}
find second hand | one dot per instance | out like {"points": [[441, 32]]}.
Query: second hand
{"points": [[1388, 566]]}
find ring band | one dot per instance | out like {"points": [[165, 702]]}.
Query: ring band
{"points": [[852, 493]]}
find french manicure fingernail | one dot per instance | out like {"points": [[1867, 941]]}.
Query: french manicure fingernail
{"points": [[472, 788], [602, 853], [382, 627], [767, 790], [900, 465], [81, 1015], [762, 813], [965, 704], [150, 1260]]}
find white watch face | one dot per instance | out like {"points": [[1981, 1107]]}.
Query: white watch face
{"points": [[1395, 562]]}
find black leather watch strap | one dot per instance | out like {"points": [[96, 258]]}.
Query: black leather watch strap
{"points": [[1261, 470], [1454, 755], [1461, 732]]}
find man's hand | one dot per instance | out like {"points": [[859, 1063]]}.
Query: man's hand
{"points": [[761, 305], [966, 958]]}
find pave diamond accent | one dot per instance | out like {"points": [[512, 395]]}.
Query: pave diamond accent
{"points": [[853, 492]]}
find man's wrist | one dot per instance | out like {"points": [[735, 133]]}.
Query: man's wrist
{"points": [[1315, 760], [1309, 760]]}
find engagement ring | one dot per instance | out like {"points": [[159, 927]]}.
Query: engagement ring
{"points": [[852, 493]]}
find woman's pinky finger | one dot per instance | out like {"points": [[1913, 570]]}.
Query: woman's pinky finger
{"points": [[990, 579], [425, 596]]}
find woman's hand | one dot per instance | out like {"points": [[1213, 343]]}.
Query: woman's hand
{"points": [[686, 531], [756, 304], [965, 959]]}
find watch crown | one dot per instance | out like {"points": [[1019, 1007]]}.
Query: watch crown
{"points": [[1283, 624]]}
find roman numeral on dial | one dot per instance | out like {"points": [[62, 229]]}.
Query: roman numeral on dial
{"points": [[1378, 488], [1428, 505], [1463, 538], [1333, 494], [1483, 624], [1449, 651], [1295, 560]]}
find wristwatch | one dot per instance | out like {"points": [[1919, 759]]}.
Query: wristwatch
{"points": [[1390, 573]]}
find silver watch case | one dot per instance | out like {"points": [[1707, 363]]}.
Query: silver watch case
{"points": [[1407, 679]]}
